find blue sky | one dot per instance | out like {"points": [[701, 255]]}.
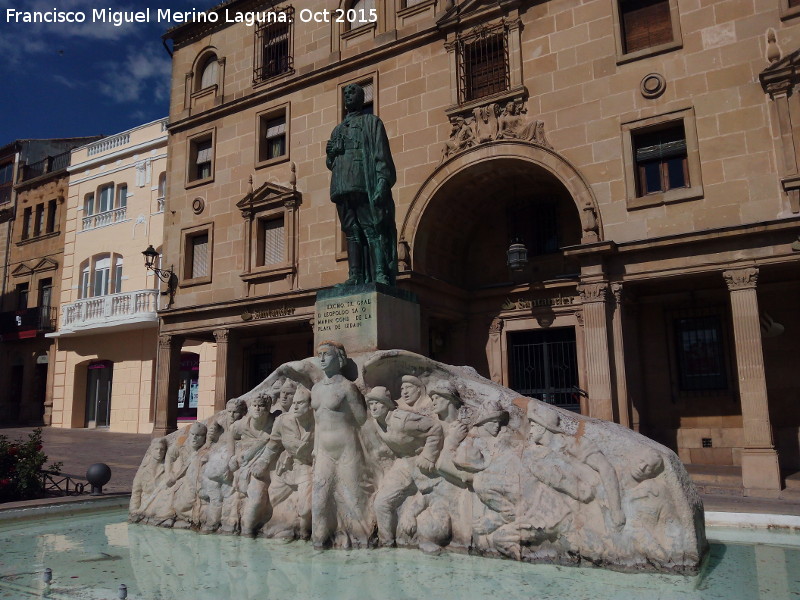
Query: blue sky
{"points": [[65, 79]]}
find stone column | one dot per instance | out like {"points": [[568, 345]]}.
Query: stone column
{"points": [[760, 470], [598, 371], [222, 387], [167, 382], [494, 350], [623, 405]]}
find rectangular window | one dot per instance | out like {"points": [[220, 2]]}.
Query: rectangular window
{"points": [[700, 353], [22, 296], [122, 195], [198, 245], [117, 286], [6, 173], [45, 292], [6, 181], [273, 239], [483, 63], [273, 48], [201, 159], [27, 214], [645, 24], [38, 224], [101, 276], [106, 200], [273, 141], [661, 160], [88, 205], [51, 216]]}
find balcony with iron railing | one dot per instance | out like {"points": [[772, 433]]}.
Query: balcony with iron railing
{"points": [[27, 323], [51, 164], [105, 218], [126, 310]]}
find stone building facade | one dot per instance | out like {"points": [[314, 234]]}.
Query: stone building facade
{"points": [[33, 187], [644, 155], [107, 326]]}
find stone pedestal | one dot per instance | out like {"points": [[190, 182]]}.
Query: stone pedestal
{"points": [[368, 317]]}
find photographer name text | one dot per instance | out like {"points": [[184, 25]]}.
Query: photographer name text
{"points": [[175, 17]]}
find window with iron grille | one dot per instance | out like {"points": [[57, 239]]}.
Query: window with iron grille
{"points": [[483, 63], [700, 351], [645, 24], [273, 48], [661, 160]]}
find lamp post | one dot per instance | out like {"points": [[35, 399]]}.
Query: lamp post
{"points": [[166, 275]]}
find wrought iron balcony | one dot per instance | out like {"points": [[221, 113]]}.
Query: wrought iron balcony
{"points": [[127, 310], [27, 323], [108, 217], [47, 165]]}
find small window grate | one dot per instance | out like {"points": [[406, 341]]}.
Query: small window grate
{"points": [[273, 48], [483, 63], [706, 442]]}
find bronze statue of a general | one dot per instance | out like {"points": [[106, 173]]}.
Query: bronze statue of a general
{"points": [[362, 176]]}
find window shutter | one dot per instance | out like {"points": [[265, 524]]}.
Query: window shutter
{"points": [[204, 153], [646, 23], [200, 256], [210, 71], [659, 151], [274, 242], [276, 127]]}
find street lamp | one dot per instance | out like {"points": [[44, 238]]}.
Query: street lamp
{"points": [[517, 256], [165, 275]]}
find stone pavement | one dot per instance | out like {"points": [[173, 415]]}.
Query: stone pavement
{"points": [[79, 448]]}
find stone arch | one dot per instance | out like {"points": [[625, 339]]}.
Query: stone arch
{"points": [[544, 158]]}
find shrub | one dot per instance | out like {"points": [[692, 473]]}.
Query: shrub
{"points": [[20, 465]]}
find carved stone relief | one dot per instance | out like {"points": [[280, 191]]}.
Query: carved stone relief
{"points": [[493, 122], [412, 452]]}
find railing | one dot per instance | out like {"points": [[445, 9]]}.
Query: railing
{"points": [[46, 165], [58, 484], [37, 319], [108, 144], [101, 308], [108, 217]]}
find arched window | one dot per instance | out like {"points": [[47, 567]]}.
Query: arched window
{"points": [[360, 12], [209, 72], [100, 275]]}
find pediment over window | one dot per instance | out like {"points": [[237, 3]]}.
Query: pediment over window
{"points": [[267, 196], [474, 9], [46, 264], [22, 270]]}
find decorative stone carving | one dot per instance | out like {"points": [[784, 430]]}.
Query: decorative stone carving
{"points": [[440, 460], [593, 292], [492, 122], [741, 279]]}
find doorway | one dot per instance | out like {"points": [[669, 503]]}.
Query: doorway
{"points": [[543, 364], [98, 393]]}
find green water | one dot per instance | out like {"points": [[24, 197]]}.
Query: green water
{"points": [[92, 553]]}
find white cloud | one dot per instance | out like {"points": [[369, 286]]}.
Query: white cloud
{"points": [[140, 77]]}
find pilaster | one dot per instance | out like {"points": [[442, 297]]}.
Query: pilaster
{"points": [[598, 371], [167, 382]]}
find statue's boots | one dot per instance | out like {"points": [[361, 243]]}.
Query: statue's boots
{"points": [[355, 263], [379, 262]]}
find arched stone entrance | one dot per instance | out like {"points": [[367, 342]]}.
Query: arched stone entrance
{"points": [[459, 228]]}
